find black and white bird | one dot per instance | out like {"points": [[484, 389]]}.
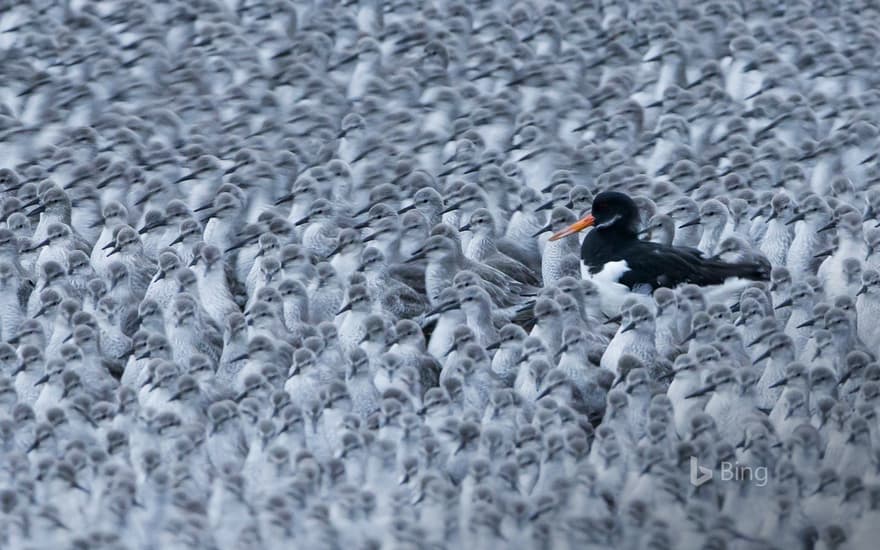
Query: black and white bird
{"points": [[613, 254]]}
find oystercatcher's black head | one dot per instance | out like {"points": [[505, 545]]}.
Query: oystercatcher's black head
{"points": [[612, 211]]}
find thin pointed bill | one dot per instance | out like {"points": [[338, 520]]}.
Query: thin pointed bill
{"points": [[576, 227]]}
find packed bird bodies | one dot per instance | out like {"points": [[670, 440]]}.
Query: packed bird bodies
{"points": [[285, 273]]}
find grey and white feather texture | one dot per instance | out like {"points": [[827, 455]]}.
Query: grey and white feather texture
{"points": [[404, 274]]}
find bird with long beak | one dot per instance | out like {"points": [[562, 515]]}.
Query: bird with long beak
{"points": [[615, 218]]}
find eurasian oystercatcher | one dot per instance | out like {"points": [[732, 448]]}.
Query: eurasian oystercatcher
{"points": [[615, 238]]}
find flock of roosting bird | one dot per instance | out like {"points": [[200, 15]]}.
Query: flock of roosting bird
{"points": [[304, 274]]}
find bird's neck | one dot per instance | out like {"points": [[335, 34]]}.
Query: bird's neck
{"points": [[602, 245], [481, 316]]}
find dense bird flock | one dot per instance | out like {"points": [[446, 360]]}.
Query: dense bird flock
{"points": [[277, 274]]}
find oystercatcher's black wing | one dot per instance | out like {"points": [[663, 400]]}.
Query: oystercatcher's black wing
{"points": [[657, 265]]}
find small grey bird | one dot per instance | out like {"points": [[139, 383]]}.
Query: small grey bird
{"points": [[189, 332], [555, 251], [130, 250], [780, 352], [396, 298], [483, 247], [445, 260], [635, 336], [13, 301]]}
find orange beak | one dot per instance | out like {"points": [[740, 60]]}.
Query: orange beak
{"points": [[576, 227]]}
